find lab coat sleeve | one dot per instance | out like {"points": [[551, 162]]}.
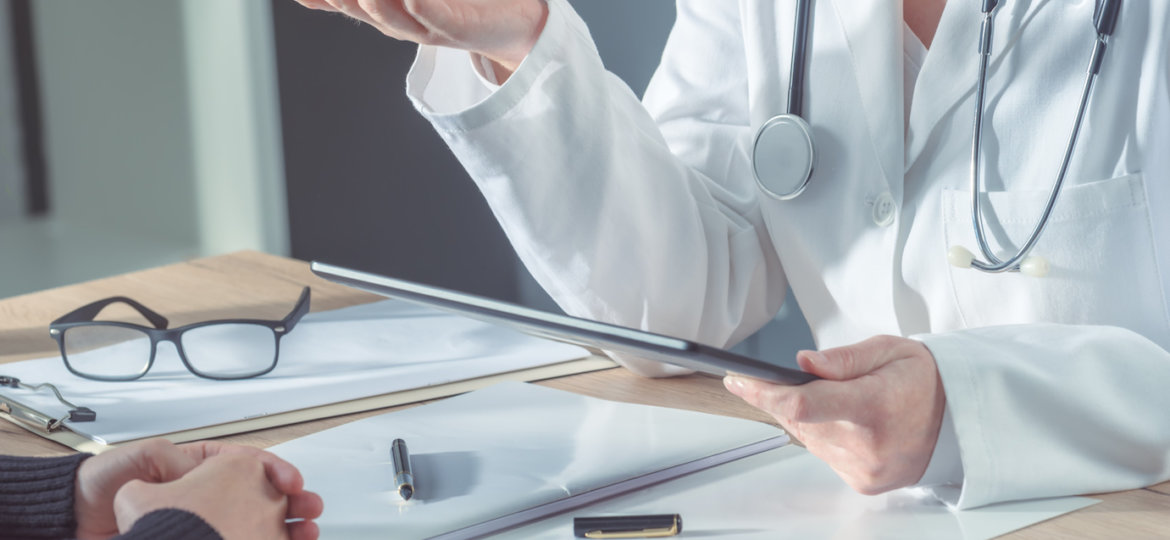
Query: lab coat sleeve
{"points": [[1045, 410], [641, 216]]}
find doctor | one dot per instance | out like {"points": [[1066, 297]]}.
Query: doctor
{"points": [[981, 387]]}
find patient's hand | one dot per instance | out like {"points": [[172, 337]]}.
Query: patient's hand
{"points": [[157, 462], [230, 491]]}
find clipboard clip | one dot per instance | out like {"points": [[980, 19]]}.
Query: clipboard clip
{"points": [[31, 417]]}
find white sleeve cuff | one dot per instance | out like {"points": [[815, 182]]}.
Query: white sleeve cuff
{"points": [[945, 468], [455, 98], [486, 71]]}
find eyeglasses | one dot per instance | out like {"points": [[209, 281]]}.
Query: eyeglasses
{"points": [[119, 351]]}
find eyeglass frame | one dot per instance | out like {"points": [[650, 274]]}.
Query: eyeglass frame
{"points": [[86, 315]]}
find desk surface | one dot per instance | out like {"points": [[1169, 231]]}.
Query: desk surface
{"points": [[263, 286]]}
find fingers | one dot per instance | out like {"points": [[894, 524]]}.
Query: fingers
{"points": [[852, 361], [315, 4], [817, 401], [350, 8], [388, 16], [158, 460], [303, 530], [305, 505], [393, 14], [283, 475]]}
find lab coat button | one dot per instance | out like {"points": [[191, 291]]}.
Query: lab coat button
{"points": [[884, 209]]}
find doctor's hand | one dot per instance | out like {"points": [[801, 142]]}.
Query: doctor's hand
{"points": [[101, 478], [874, 417], [503, 31]]}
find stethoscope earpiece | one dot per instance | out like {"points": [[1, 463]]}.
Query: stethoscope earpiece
{"points": [[1032, 266], [960, 257]]}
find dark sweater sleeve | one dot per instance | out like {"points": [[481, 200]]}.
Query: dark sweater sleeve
{"points": [[36, 496], [36, 501], [171, 524]]}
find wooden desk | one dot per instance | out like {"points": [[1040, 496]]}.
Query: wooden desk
{"points": [[250, 284]]}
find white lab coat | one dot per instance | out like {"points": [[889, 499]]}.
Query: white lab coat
{"points": [[646, 214]]}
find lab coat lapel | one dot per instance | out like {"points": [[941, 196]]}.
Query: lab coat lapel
{"points": [[951, 70], [873, 31]]}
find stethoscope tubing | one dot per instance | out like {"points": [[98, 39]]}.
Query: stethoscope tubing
{"points": [[796, 78], [1012, 264], [792, 131]]}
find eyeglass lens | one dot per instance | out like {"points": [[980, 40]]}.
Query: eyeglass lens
{"points": [[107, 351], [230, 350]]}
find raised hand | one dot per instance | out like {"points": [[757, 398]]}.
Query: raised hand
{"points": [[502, 31]]}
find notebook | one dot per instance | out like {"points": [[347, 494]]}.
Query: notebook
{"points": [[789, 493]]}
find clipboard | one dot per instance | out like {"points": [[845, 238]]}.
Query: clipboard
{"points": [[52, 428]]}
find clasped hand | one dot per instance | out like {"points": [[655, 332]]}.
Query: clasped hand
{"points": [[874, 417], [242, 492]]}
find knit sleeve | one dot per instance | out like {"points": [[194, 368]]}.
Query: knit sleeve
{"points": [[170, 524], [36, 496]]}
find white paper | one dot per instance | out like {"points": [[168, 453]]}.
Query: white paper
{"points": [[496, 451], [789, 493], [328, 357]]}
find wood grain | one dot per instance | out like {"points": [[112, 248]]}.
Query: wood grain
{"points": [[250, 284]]}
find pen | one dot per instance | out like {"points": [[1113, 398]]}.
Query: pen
{"points": [[403, 477], [652, 526]]}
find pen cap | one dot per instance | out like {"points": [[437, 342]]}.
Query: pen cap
{"points": [[605, 525], [400, 456]]}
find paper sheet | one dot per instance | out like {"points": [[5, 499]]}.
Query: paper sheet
{"points": [[789, 493], [329, 357], [496, 451]]}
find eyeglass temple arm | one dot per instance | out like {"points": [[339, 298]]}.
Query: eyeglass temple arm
{"points": [[298, 311], [89, 312]]}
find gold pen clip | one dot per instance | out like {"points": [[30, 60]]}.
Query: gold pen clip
{"points": [[643, 533]]}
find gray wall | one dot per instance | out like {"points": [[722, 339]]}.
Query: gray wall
{"points": [[12, 202], [115, 115]]}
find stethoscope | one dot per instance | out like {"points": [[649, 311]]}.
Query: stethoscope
{"points": [[783, 154]]}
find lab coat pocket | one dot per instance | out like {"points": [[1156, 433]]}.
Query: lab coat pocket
{"points": [[1099, 246]]}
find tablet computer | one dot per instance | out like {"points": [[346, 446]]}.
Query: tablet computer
{"points": [[584, 332]]}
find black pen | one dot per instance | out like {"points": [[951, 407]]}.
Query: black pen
{"points": [[403, 477], [652, 526]]}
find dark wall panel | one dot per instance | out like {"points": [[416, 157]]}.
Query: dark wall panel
{"points": [[370, 185]]}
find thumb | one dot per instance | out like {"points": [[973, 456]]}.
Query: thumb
{"points": [[281, 473], [158, 460], [849, 362]]}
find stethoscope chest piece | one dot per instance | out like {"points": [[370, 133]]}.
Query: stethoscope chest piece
{"points": [[783, 156]]}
